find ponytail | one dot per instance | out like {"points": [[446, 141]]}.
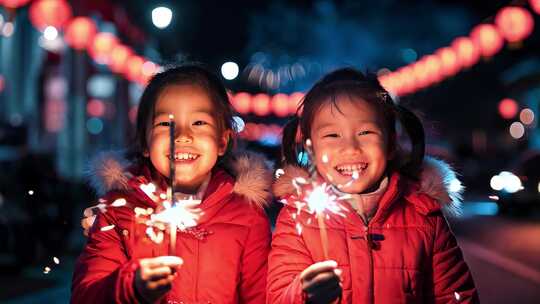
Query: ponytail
{"points": [[288, 143], [414, 128]]}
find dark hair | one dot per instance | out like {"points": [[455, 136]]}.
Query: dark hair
{"points": [[186, 74], [350, 82]]}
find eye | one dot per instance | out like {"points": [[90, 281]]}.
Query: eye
{"points": [[366, 132], [200, 123], [331, 135], [162, 124]]}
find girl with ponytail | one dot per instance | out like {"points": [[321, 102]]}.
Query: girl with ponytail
{"points": [[391, 243]]}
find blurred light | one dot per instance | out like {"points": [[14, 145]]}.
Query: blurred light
{"points": [[487, 38], [50, 33], [303, 158], [134, 67], [466, 51], [119, 57], [8, 29], [43, 13], [161, 17], [383, 71], [31, 192], [508, 108], [54, 114], [514, 23], [449, 61], [409, 55], [15, 119], [94, 125], [242, 103], [239, 124], [229, 70], [526, 116], [496, 183], [535, 5], [55, 45], [517, 130], [1, 20], [133, 114], [135, 92], [261, 104], [14, 3], [2, 83], [95, 108], [511, 182], [295, 100], [101, 86], [280, 105], [455, 185], [101, 47], [480, 208], [80, 32], [538, 187]]}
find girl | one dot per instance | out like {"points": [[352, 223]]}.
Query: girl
{"points": [[221, 259], [387, 242]]}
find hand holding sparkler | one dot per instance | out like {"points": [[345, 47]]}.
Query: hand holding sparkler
{"points": [[154, 277], [322, 282]]}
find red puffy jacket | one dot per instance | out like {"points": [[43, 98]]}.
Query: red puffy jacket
{"points": [[406, 254], [225, 256]]}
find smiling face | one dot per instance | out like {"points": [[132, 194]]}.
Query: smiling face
{"points": [[349, 141], [198, 139]]}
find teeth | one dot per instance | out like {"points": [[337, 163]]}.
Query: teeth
{"points": [[351, 168], [185, 156]]}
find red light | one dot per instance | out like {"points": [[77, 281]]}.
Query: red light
{"points": [[508, 108], [261, 104], [134, 67], [242, 103], [467, 52], [2, 83], [80, 32], [295, 100], [119, 57], [55, 13], [514, 23], [488, 39], [449, 61], [102, 47], [14, 3], [535, 5], [95, 108], [133, 114], [280, 105]]}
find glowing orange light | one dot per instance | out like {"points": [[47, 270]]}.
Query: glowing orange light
{"points": [[14, 3], [55, 13], [449, 61], [295, 100], [467, 52], [102, 46], [488, 39], [514, 23], [119, 57], [242, 102], [80, 32], [134, 67], [535, 5], [261, 104], [280, 105]]}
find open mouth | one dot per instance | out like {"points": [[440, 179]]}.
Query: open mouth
{"points": [[350, 169], [185, 157]]}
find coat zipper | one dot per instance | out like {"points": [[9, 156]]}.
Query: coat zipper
{"points": [[370, 253]]}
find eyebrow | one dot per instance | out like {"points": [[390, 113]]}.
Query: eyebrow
{"points": [[209, 112]]}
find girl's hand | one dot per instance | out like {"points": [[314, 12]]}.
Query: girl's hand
{"points": [[154, 277], [322, 282]]}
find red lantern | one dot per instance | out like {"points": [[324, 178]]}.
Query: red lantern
{"points": [[13, 3], [280, 105], [134, 67], [45, 13], [449, 61], [508, 108], [467, 52], [102, 47], [434, 69], [242, 103], [514, 23], [487, 38], [420, 73], [295, 101], [535, 5], [80, 32], [261, 104], [408, 82], [119, 57]]}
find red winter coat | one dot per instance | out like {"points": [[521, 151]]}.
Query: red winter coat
{"points": [[225, 257], [406, 254]]}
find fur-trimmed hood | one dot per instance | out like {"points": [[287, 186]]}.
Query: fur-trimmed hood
{"points": [[253, 175], [437, 180]]}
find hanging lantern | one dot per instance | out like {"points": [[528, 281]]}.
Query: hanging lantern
{"points": [[420, 73], [467, 52], [514, 23], [102, 47], [261, 104], [280, 105], [119, 57], [45, 13], [449, 61], [433, 68], [242, 103], [408, 82], [535, 5], [134, 68], [80, 32], [488, 39], [13, 4]]}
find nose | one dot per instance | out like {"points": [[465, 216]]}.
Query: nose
{"points": [[183, 136], [351, 145]]}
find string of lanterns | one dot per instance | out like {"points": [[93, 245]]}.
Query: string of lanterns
{"points": [[512, 23]]}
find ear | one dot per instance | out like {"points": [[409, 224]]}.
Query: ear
{"points": [[224, 142]]}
